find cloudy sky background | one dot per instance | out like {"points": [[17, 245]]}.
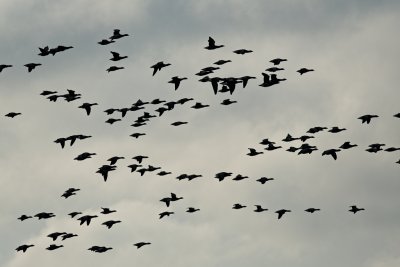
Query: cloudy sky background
{"points": [[353, 47]]}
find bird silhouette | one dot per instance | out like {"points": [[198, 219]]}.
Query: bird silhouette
{"points": [[222, 175], [163, 173], [140, 158], [281, 212], [289, 138], [166, 200], [105, 42], [4, 66], [134, 167], [347, 145], [23, 248], [165, 213], [238, 206], [112, 120], [277, 61], [73, 214], [137, 135], [191, 210], [392, 149], [117, 35], [354, 209], [87, 219], [274, 69], [336, 129], [177, 123], [24, 217], [54, 247], [107, 211], [331, 152], [113, 160], [87, 107], [114, 68], [70, 192], [292, 149], [55, 235], [222, 62], [367, 118], [212, 45], [271, 147], [174, 197], [158, 66], [110, 223], [397, 115], [259, 208], [84, 155], [13, 114], [312, 210], [253, 152], [141, 244], [176, 81], [105, 169], [245, 80], [227, 102], [304, 70], [316, 129], [32, 66], [44, 215], [116, 56], [199, 105], [99, 249], [304, 138], [263, 180], [44, 51], [242, 51], [46, 92], [68, 235], [240, 177]]}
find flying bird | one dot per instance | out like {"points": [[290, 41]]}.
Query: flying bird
{"points": [[277, 61], [117, 35], [347, 145], [87, 219], [54, 246], [253, 152], [177, 123], [242, 51], [312, 210], [176, 81], [274, 69], [191, 210], [113, 160], [84, 155], [238, 206], [336, 129], [354, 209], [24, 217], [140, 158], [55, 235], [107, 211], [110, 223], [32, 66], [259, 208], [12, 114], [281, 212], [212, 45], [331, 152], [222, 62], [367, 118], [227, 102], [158, 66], [116, 56], [114, 68], [141, 244], [87, 107], [105, 42], [304, 70], [263, 180], [165, 213], [44, 215], [23, 248], [105, 169], [4, 66], [99, 249]]}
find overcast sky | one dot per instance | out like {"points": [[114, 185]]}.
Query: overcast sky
{"points": [[353, 46]]}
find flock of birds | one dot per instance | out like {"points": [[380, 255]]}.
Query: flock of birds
{"points": [[156, 108]]}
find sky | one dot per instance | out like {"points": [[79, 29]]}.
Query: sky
{"points": [[352, 47]]}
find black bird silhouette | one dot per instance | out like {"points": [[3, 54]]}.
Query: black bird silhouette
{"points": [[227, 102], [184, 100], [271, 147], [292, 149], [163, 173], [113, 160], [367, 118], [105, 42], [59, 48], [259, 208], [222, 175], [182, 176], [84, 155], [32, 66], [392, 149], [347, 145], [245, 80], [253, 152], [281, 212], [116, 56], [242, 51], [134, 167], [177, 123], [191, 210], [222, 62], [44, 51], [304, 70], [12, 114], [69, 235], [4, 66], [55, 235], [87, 107], [239, 177], [304, 138], [274, 69], [107, 211], [112, 120], [140, 158], [142, 171], [110, 111], [165, 213], [354, 209], [99, 249], [267, 80], [23, 248], [336, 129], [174, 197], [277, 61], [110, 223], [44, 215], [158, 66], [374, 148], [54, 246], [157, 101], [137, 135], [199, 105], [395, 115], [46, 92], [87, 219], [73, 214], [266, 142], [263, 180], [331, 152], [24, 217], [114, 68], [103, 170], [312, 210], [141, 244], [117, 35], [316, 129], [238, 206], [176, 81], [212, 45], [289, 138], [166, 200], [70, 192]]}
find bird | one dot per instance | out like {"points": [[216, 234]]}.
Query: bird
{"points": [[242, 51], [112, 120], [289, 138], [24, 217], [70, 192], [212, 45], [177, 123], [55, 235], [292, 149], [4, 66], [87, 107], [158, 66], [347, 145], [99, 249], [304, 70], [392, 149], [191, 210], [281, 212], [265, 141], [253, 152], [199, 105], [227, 102], [316, 129], [271, 147], [137, 135], [114, 68], [274, 69], [141, 244], [354, 209], [221, 62], [367, 118], [397, 115], [263, 180], [277, 61], [46, 92], [107, 211], [331, 152], [267, 81], [245, 80], [163, 173], [117, 35], [239, 177], [222, 175], [174, 197], [68, 235], [44, 215], [12, 114], [24, 247], [44, 51], [304, 138], [238, 206], [54, 246], [165, 213], [134, 167], [336, 129], [32, 66], [140, 158], [84, 155], [259, 208], [105, 42], [176, 81], [312, 210], [113, 160], [105, 169], [110, 223], [116, 56], [73, 214], [87, 219]]}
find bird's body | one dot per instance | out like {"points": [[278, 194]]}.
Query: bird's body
{"points": [[367, 118], [32, 66], [354, 209], [281, 212], [212, 45]]}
